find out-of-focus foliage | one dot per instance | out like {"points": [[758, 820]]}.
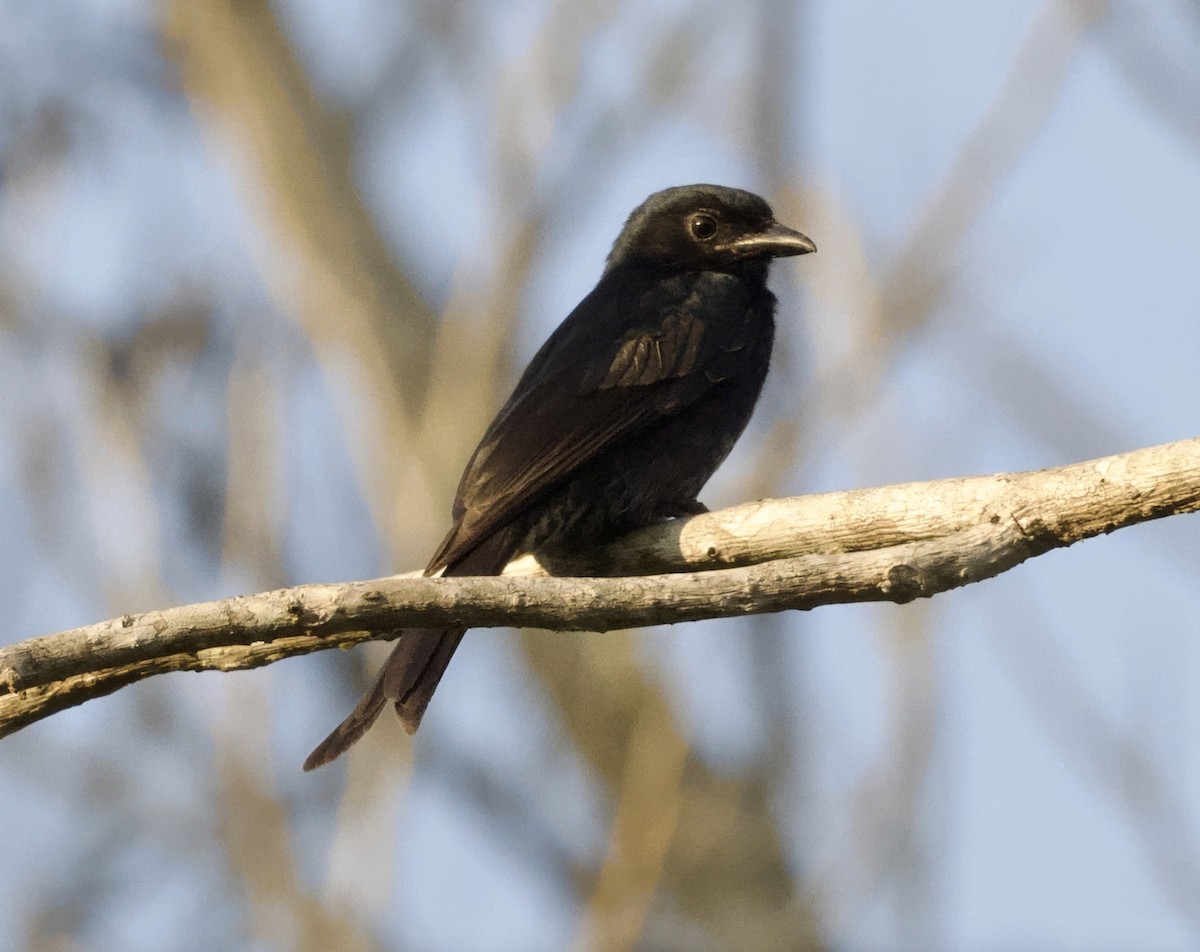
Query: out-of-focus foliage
{"points": [[266, 270]]}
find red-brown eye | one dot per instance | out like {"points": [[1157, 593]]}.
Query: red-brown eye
{"points": [[703, 227]]}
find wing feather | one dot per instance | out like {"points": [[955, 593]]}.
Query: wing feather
{"points": [[572, 405]]}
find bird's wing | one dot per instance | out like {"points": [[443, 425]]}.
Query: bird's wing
{"points": [[592, 385]]}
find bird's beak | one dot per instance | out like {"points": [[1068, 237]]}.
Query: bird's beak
{"points": [[773, 241]]}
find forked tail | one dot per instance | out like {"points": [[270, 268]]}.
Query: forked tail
{"points": [[416, 665], [408, 679]]}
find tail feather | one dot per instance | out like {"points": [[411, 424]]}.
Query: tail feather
{"points": [[415, 667], [408, 679], [347, 733]]}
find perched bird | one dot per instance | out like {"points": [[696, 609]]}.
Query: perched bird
{"points": [[621, 417]]}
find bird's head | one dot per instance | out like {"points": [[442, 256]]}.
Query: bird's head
{"points": [[705, 227]]}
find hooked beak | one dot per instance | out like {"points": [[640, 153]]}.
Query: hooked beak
{"points": [[773, 241]]}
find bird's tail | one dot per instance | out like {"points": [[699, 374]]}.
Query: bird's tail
{"points": [[408, 679], [347, 733], [416, 665]]}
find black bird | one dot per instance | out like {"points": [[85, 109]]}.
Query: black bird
{"points": [[620, 418]]}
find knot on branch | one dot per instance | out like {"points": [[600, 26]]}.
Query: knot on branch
{"points": [[904, 583]]}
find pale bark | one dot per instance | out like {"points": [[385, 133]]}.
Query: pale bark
{"points": [[894, 544]]}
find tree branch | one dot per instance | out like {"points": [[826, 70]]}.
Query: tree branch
{"points": [[893, 544]]}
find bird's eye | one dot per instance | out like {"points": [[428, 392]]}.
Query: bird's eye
{"points": [[703, 227]]}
